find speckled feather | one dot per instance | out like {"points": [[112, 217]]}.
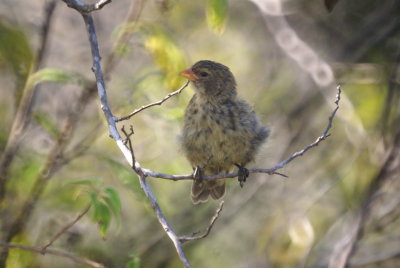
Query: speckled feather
{"points": [[220, 129]]}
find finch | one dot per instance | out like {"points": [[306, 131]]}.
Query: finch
{"points": [[220, 129]]}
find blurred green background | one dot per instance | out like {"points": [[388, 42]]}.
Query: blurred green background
{"points": [[338, 208]]}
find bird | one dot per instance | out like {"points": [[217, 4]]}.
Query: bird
{"points": [[220, 131]]}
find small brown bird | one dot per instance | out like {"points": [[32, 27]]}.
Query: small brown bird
{"points": [[220, 130]]}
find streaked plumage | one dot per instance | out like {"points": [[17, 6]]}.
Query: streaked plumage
{"points": [[220, 129]]}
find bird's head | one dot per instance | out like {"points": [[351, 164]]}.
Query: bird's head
{"points": [[211, 79]]}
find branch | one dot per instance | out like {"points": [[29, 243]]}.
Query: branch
{"points": [[324, 135], [83, 8], [63, 230], [52, 163], [154, 103], [160, 215], [163, 221], [54, 252], [375, 187], [184, 239], [130, 146], [127, 148], [270, 171], [128, 152], [23, 113]]}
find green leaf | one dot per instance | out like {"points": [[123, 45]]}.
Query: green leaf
{"points": [[113, 200], [101, 215], [103, 218], [56, 76], [46, 123], [114, 203], [167, 55], [134, 261], [217, 14]]}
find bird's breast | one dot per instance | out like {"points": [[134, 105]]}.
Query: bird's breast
{"points": [[212, 135]]}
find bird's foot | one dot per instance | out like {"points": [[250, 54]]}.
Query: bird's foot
{"points": [[243, 174], [198, 173]]}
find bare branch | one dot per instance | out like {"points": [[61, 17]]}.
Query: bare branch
{"points": [[164, 223], [270, 171], [184, 239], [165, 176], [63, 230], [154, 103], [318, 140], [128, 152], [23, 113], [130, 146], [82, 8], [149, 194], [54, 252]]}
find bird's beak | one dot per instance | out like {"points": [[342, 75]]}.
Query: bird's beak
{"points": [[189, 74]]}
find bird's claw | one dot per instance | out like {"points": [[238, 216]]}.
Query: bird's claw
{"points": [[243, 174], [198, 173]]}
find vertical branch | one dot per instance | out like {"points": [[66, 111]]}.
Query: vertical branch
{"points": [[22, 116], [374, 188], [177, 241], [128, 152], [164, 223], [101, 89], [53, 163]]}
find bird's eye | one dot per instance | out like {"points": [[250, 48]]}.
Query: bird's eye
{"points": [[204, 74]]}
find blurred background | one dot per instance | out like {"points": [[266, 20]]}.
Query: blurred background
{"points": [[338, 208]]}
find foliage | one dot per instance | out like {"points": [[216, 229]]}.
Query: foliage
{"points": [[217, 13], [15, 54], [167, 55], [302, 221]]}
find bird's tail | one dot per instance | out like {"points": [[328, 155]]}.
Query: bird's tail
{"points": [[202, 189]]}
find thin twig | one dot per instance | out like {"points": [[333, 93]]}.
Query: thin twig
{"points": [[163, 221], [63, 230], [318, 140], [160, 175], [54, 252], [184, 239], [130, 146], [154, 103], [270, 171]]}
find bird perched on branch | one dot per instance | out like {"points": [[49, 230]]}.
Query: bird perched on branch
{"points": [[220, 130]]}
